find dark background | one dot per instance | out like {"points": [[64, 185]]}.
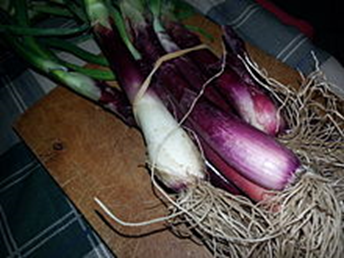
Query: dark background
{"points": [[327, 19]]}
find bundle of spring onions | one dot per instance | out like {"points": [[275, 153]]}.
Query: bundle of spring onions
{"points": [[255, 167]]}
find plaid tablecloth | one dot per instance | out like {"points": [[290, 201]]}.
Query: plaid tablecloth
{"points": [[36, 218], [263, 29], [260, 27]]}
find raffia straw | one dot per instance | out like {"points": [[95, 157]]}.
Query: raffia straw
{"points": [[312, 210], [310, 217], [165, 58], [227, 223], [313, 114]]}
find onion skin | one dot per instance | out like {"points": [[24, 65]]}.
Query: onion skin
{"points": [[277, 165], [251, 103], [171, 152], [256, 155], [120, 59], [227, 134], [221, 181], [238, 185], [205, 59], [241, 183], [248, 99], [116, 101]]}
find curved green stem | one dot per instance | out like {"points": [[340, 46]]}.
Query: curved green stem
{"points": [[21, 14], [81, 38], [176, 10], [102, 12], [120, 24], [47, 63], [57, 1], [45, 60], [97, 74], [54, 70], [31, 55], [76, 10], [38, 8], [76, 51], [200, 31], [43, 32]]}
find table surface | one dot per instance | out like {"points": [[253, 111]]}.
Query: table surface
{"points": [[90, 153]]}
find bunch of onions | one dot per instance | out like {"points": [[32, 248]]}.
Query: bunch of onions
{"points": [[231, 224]]}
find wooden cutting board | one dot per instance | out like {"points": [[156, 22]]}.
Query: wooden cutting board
{"points": [[90, 153]]}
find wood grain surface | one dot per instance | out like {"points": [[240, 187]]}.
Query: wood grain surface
{"points": [[90, 153]]}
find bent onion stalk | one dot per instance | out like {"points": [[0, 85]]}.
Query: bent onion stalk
{"points": [[154, 45]]}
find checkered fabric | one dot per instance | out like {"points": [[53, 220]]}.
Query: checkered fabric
{"points": [[36, 217], [258, 26], [263, 29]]}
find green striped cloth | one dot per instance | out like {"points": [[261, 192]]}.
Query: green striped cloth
{"points": [[36, 218], [263, 29]]}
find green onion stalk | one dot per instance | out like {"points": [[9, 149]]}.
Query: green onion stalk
{"points": [[76, 78], [51, 38], [42, 32], [75, 50], [37, 9], [95, 90], [20, 27]]}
